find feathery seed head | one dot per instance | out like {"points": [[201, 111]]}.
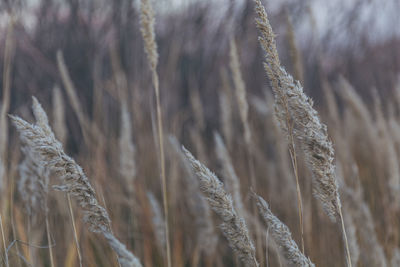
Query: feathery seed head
{"points": [[40, 140], [147, 22], [282, 236], [295, 113], [206, 236], [233, 182], [233, 227]]}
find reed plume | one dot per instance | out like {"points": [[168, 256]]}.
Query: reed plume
{"points": [[282, 236], [371, 252], [30, 185], [233, 227], [41, 140], [33, 187], [291, 102], [274, 72], [60, 131], [206, 236], [232, 180], [33, 171], [240, 93], [147, 22]]}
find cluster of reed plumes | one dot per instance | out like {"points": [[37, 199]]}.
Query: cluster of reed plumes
{"points": [[292, 186]]}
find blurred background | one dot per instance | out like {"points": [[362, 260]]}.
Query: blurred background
{"points": [[346, 54]]}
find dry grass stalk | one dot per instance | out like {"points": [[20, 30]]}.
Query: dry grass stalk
{"points": [[33, 188], [52, 264], [70, 87], [352, 237], [233, 227], [206, 236], [355, 103], [240, 91], [157, 220], [282, 236], [60, 131], [291, 102], [386, 144], [307, 126], [98, 92], [232, 180], [31, 185], [395, 261], [397, 91], [31, 193], [59, 123], [127, 161], [294, 53], [42, 174], [119, 76], [4, 242], [5, 105], [331, 104], [273, 69], [349, 218], [125, 257], [76, 238], [147, 21], [73, 97], [371, 252], [41, 140], [278, 168], [225, 104], [197, 106], [198, 141], [362, 137]]}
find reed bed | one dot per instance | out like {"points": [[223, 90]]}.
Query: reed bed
{"points": [[106, 179]]}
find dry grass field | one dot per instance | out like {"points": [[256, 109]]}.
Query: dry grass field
{"points": [[205, 133]]}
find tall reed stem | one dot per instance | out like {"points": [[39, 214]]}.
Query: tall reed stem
{"points": [[348, 258], [162, 163], [49, 241], [147, 21], [293, 158], [4, 241], [71, 214]]}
